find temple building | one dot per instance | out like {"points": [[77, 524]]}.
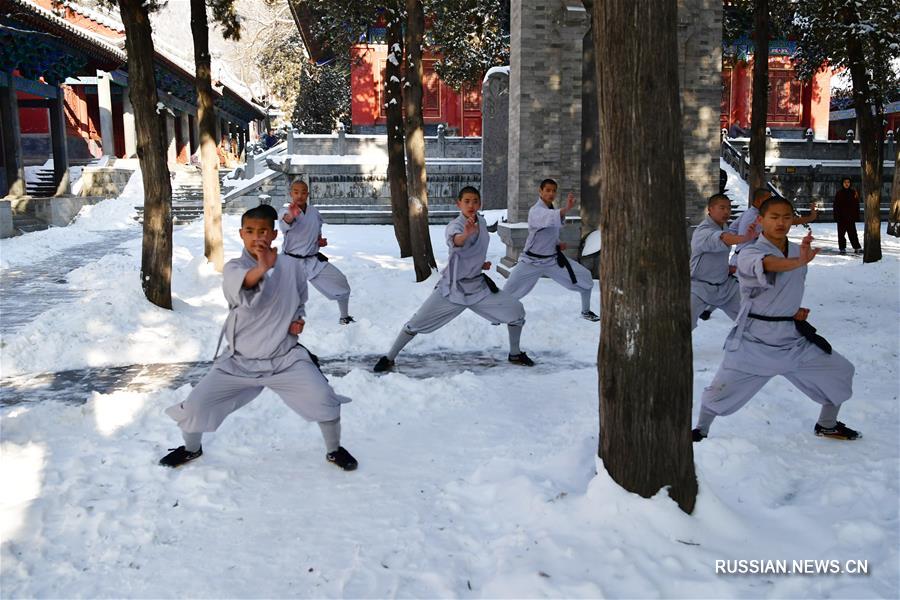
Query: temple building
{"points": [[64, 95]]}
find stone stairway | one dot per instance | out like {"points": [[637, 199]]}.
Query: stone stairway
{"points": [[187, 195], [43, 186]]}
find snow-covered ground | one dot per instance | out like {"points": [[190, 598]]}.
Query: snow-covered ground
{"points": [[473, 483]]}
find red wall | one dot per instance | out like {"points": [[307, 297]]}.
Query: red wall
{"points": [[440, 103], [792, 103]]}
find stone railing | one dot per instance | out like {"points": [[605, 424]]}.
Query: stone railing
{"points": [[340, 143], [811, 178]]}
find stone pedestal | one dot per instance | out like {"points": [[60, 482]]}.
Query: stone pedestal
{"points": [[495, 138], [6, 220]]}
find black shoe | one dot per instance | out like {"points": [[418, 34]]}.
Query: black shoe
{"points": [[857, 251], [705, 315], [342, 458], [697, 435], [179, 456], [521, 359], [838, 432], [383, 364], [346, 320], [590, 315], [842, 251]]}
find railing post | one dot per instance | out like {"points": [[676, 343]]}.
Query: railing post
{"points": [[342, 139], [250, 165], [290, 139], [441, 140]]}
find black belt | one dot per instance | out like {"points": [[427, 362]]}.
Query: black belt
{"points": [[490, 283], [318, 255], [710, 282], [803, 328], [561, 260]]}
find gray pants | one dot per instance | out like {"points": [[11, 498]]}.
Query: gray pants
{"points": [[437, 311], [301, 386], [333, 284], [525, 276], [731, 308], [828, 380]]}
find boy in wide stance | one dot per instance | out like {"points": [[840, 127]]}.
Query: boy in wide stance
{"points": [[771, 335], [463, 285], [712, 285], [543, 253], [301, 225], [266, 295]]}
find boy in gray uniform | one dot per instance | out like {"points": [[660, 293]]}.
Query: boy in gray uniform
{"points": [[266, 298], [771, 335], [301, 225], [463, 285], [543, 253], [742, 224], [712, 286]]}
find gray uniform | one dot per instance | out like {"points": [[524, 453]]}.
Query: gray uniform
{"points": [[463, 286], [544, 224], [740, 226], [711, 284], [301, 238], [757, 350], [260, 352]]}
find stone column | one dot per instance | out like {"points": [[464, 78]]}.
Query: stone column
{"points": [[104, 99], [12, 141], [186, 134], [700, 83], [171, 149], [544, 109], [494, 138], [58, 143], [128, 127]]}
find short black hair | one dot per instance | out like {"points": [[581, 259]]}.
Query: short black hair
{"points": [[843, 179], [772, 202], [263, 211], [297, 180], [716, 197], [547, 182], [761, 193], [468, 190]]}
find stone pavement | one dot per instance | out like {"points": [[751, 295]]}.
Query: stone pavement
{"points": [[76, 386], [29, 290]]}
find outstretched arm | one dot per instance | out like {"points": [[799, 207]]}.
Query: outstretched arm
{"points": [[813, 213]]}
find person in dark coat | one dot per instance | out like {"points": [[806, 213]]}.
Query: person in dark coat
{"points": [[846, 214]]}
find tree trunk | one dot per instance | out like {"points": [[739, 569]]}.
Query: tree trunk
{"points": [[760, 103], [396, 154], [206, 123], [156, 255], [869, 134], [590, 136], [420, 238], [644, 358]]}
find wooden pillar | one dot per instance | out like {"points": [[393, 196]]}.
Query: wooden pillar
{"points": [[171, 142], [185, 141], [195, 129], [58, 143], [12, 140], [104, 99]]}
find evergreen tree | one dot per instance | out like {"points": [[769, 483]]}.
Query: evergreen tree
{"points": [[323, 99], [862, 37]]}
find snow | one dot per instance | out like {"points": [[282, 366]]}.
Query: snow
{"points": [[472, 483], [735, 187], [504, 69], [92, 223]]}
